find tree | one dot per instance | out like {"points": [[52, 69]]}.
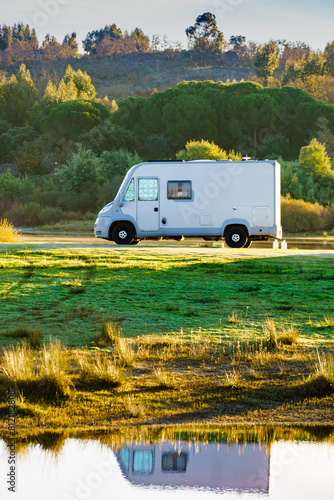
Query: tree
{"points": [[75, 85], [73, 118], [274, 146], [325, 135], [82, 82], [205, 35], [142, 42], [94, 37], [314, 159], [118, 162], [17, 98], [329, 55], [266, 60], [11, 140], [84, 168], [205, 150], [237, 41], [71, 41], [108, 136], [6, 37]]}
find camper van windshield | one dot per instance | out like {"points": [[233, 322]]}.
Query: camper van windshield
{"points": [[130, 192]]}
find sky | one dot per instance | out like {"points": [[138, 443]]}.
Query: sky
{"points": [[259, 20]]}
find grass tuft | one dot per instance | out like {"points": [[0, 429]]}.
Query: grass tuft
{"points": [[135, 409], [111, 332], [54, 381], [99, 372], [233, 317], [270, 334], [18, 364], [164, 378]]}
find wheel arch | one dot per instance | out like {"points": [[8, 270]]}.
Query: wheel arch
{"points": [[236, 224]]}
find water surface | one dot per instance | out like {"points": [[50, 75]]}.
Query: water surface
{"points": [[250, 465]]}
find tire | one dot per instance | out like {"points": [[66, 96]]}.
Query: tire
{"points": [[236, 237], [135, 242], [248, 244], [123, 233]]}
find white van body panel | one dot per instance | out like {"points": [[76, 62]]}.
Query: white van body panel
{"points": [[213, 195]]}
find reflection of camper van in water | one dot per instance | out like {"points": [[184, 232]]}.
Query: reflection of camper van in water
{"points": [[238, 201], [217, 466]]}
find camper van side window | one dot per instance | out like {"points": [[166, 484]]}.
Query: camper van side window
{"points": [[130, 192], [147, 189], [179, 190]]}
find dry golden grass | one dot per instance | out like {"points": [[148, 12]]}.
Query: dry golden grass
{"points": [[8, 234]]}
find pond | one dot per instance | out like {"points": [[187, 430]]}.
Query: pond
{"points": [[160, 463]]}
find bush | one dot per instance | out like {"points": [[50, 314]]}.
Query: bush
{"points": [[7, 232], [299, 216], [83, 168], [25, 214], [205, 150], [314, 159], [118, 162]]}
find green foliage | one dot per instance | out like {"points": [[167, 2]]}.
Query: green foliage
{"points": [[266, 60], [11, 140], [314, 64], [118, 162], [154, 147], [205, 150], [83, 168], [12, 187], [82, 82], [314, 159], [76, 85], [18, 96], [300, 184], [329, 55], [274, 146], [108, 136], [35, 157], [71, 119]]}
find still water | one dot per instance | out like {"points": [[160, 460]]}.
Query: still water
{"points": [[279, 464]]}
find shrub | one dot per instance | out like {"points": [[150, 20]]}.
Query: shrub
{"points": [[83, 168], [25, 214], [8, 234], [314, 159], [118, 162], [205, 150], [300, 215]]}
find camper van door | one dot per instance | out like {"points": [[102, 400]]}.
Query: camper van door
{"points": [[148, 209]]}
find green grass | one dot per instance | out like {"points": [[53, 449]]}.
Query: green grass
{"points": [[69, 294]]}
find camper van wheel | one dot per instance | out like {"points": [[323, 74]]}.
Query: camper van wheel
{"points": [[236, 237], [248, 244], [123, 234]]}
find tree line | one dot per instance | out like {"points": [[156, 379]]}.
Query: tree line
{"points": [[292, 61]]}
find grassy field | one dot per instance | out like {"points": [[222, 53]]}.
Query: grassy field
{"points": [[155, 336], [68, 294]]}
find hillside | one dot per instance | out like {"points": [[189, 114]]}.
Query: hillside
{"points": [[123, 76]]}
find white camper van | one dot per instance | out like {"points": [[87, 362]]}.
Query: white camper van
{"points": [[235, 200]]}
